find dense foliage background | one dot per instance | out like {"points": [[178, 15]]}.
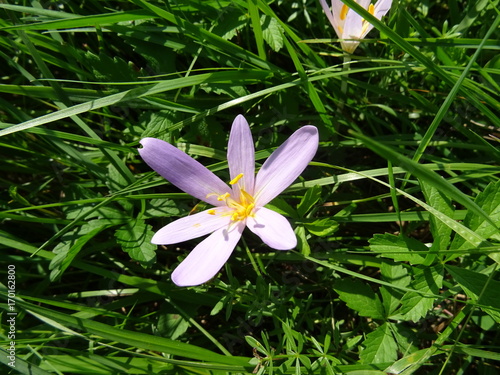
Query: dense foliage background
{"points": [[397, 216]]}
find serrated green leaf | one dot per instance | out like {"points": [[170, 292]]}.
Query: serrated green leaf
{"points": [[110, 69], [172, 325], [398, 248], [322, 227], [159, 207], [379, 346], [72, 242], [134, 238], [489, 202], [272, 32], [398, 276], [441, 233], [474, 285], [360, 297], [302, 243], [426, 280]]}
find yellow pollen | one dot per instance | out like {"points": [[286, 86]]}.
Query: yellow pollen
{"points": [[236, 179], [343, 12], [211, 212]]}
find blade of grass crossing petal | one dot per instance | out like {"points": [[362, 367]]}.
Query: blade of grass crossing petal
{"points": [[423, 173]]}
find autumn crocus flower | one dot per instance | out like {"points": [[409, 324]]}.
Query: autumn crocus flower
{"points": [[239, 204], [350, 25]]}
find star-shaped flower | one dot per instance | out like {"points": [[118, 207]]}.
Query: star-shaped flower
{"points": [[237, 206], [350, 25]]}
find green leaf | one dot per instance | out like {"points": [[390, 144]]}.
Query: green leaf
{"points": [[399, 248], [309, 199], [425, 174], [302, 243], [427, 280], [134, 238], [72, 242], [489, 202], [161, 207], [396, 275], [282, 207], [477, 285], [105, 68], [379, 346], [172, 325], [272, 32], [360, 297], [441, 233], [322, 227]]}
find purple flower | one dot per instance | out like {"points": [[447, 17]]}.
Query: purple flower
{"points": [[236, 206], [350, 25]]}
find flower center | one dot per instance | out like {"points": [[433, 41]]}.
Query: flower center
{"points": [[241, 208]]}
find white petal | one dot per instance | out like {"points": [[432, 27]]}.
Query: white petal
{"points": [[192, 226], [206, 259], [273, 229], [285, 164]]}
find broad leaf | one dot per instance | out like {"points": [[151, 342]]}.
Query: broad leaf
{"points": [[379, 346], [360, 297], [398, 248], [272, 32], [134, 238], [478, 288], [427, 280]]}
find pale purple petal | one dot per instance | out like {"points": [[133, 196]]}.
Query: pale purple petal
{"points": [[382, 7], [192, 226], [273, 229], [285, 164], [353, 25], [183, 171], [206, 259], [330, 15], [241, 155]]}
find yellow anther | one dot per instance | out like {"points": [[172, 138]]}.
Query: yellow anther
{"points": [[249, 209], [223, 196], [211, 212], [371, 9], [343, 12], [236, 179]]}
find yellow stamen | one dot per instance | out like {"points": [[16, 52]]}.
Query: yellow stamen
{"points": [[211, 212], [343, 12], [223, 196], [371, 9], [236, 179]]}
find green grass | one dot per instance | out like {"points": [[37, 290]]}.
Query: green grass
{"points": [[396, 268]]}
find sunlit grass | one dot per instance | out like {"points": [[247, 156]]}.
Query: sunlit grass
{"points": [[396, 217]]}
